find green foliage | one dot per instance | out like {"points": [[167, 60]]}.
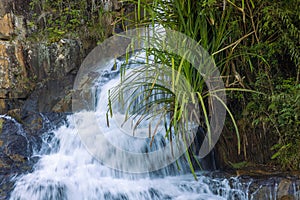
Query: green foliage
{"points": [[255, 45], [218, 26], [239, 165], [68, 19], [280, 23], [278, 113]]}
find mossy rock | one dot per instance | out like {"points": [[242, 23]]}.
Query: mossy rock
{"points": [[1, 124], [17, 158], [16, 114], [239, 165]]}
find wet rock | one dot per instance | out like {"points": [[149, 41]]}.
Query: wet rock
{"points": [[273, 187], [209, 162], [15, 140], [284, 188], [15, 148], [15, 152], [16, 114], [287, 197], [64, 105], [263, 192], [19, 141], [10, 104], [51, 96], [50, 70], [33, 121], [25, 64], [6, 186]]}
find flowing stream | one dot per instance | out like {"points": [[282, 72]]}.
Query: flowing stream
{"points": [[70, 172], [67, 169]]}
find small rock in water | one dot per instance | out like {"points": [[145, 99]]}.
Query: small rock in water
{"points": [[287, 197], [283, 189]]}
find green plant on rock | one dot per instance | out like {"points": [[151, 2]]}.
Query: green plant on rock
{"points": [[278, 114], [219, 27], [69, 19], [284, 110], [256, 46], [280, 28]]}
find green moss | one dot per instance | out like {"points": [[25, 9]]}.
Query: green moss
{"points": [[73, 19], [239, 165]]}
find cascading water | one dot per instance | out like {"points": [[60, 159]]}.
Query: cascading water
{"points": [[75, 162], [69, 171]]}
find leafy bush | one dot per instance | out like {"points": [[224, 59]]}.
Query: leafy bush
{"points": [[279, 113], [56, 19]]}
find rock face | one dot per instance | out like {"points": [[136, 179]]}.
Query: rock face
{"points": [[17, 144], [54, 67], [18, 141], [35, 75], [14, 81], [36, 80], [24, 64]]}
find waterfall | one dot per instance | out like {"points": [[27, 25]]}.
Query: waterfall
{"points": [[76, 162], [72, 171]]}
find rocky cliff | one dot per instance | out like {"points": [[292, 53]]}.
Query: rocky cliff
{"points": [[36, 81], [36, 75]]}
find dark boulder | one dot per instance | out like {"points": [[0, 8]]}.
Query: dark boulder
{"points": [[15, 148], [209, 162], [18, 142]]}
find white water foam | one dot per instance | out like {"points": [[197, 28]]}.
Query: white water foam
{"points": [[69, 171]]}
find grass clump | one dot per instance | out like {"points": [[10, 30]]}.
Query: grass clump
{"points": [[255, 47]]}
